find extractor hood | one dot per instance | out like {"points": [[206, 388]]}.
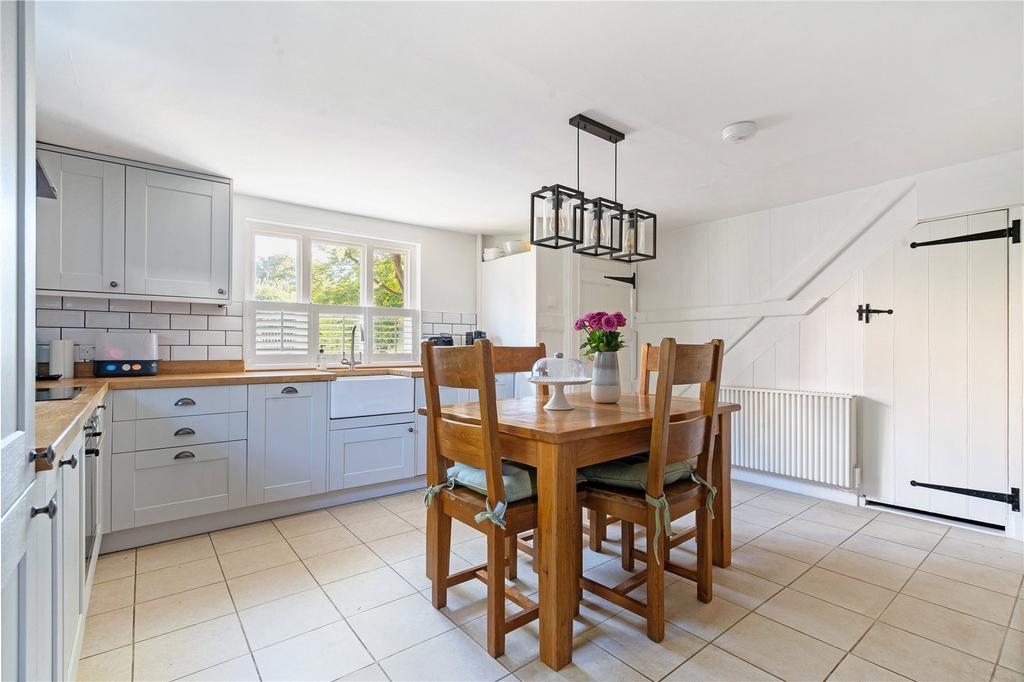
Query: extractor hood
{"points": [[43, 187]]}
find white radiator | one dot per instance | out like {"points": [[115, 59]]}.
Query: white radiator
{"points": [[800, 434]]}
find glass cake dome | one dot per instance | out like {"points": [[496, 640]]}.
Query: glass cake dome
{"points": [[558, 372]]}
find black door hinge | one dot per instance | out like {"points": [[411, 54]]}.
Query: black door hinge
{"points": [[1012, 498], [631, 280], [865, 311], [1013, 232]]}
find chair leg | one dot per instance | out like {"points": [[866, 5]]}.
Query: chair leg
{"points": [[495, 590], [511, 556], [598, 529], [655, 581], [578, 549], [627, 546], [704, 554], [439, 545], [536, 550]]}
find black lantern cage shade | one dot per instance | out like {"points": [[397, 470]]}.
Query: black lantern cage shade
{"points": [[633, 222], [561, 234], [607, 224]]}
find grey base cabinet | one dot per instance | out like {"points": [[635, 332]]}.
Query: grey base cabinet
{"points": [[372, 454]]}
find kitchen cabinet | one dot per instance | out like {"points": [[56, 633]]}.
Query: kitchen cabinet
{"points": [[448, 396], [71, 578], [372, 454], [177, 235], [287, 429], [80, 234]]}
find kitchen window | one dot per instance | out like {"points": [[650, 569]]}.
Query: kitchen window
{"points": [[308, 289]]}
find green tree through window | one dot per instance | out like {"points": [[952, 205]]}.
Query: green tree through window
{"points": [[388, 279], [336, 274]]}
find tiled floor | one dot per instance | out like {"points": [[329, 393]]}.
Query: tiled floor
{"points": [[817, 590]]}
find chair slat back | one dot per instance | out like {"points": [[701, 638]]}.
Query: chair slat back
{"points": [[515, 359], [449, 441], [649, 358], [680, 440]]}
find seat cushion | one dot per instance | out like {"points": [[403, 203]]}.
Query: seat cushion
{"points": [[631, 472], [520, 481]]}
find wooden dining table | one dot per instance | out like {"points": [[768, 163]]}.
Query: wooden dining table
{"points": [[557, 443]]}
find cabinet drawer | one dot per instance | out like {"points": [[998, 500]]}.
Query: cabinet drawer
{"points": [[152, 403], [373, 454], [175, 483], [172, 432]]}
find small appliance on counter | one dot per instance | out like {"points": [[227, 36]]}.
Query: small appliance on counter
{"points": [[471, 337], [126, 354], [441, 340]]}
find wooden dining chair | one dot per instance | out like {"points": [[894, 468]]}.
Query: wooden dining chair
{"points": [[468, 482], [666, 486]]}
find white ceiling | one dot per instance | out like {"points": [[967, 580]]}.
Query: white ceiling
{"points": [[450, 114]]}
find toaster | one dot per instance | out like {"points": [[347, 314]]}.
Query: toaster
{"points": [[126, 354], [441, 340]]}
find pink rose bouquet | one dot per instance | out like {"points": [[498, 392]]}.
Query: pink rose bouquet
{"points": [[602, 332]]}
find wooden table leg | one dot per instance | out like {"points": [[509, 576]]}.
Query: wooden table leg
{"points": [[557, 518], [722, 480]]}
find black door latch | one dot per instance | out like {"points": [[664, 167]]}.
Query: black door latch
{"points": [[865, 311]]}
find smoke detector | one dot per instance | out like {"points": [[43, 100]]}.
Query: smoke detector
{"points": [[739, 132]]}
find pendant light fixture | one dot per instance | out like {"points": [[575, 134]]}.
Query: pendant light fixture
{"points": [[561, 216]]}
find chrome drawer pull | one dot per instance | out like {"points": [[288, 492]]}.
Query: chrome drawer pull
{"points": [[185, 454], [185, 431], [180, 402], [50, 509], [289, 390], [72, 462]]}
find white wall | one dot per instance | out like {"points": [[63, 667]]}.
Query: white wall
{"points": [[447, 259]]}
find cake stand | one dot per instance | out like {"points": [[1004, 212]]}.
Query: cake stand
{"points": [[557, 400]]}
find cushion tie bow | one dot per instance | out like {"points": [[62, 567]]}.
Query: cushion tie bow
{"points": [[435, 489], [495, 516]]}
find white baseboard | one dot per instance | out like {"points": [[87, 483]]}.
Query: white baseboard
{"points": [[172, 530], [794, 486]]}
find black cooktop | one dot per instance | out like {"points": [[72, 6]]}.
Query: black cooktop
{"points": [[57, 393]]}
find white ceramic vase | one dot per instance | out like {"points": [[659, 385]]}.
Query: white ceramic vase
{"points": [[605, 387]]}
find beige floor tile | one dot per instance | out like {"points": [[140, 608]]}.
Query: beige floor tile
{"points": [[107, 631], [759, 515], [398, 625], [166, 581], [793, 546], [866, 513], [114, 565], [323, 654], [241, 669], [744, 531], [988, 539], [707, 621], [180, 610], [323, 542], [358, 511], [414, 571], [589, 662], [259, 558], [783, 502], [189, 650], [830, 516], [780, 650], [768, 565], [111, 666], [819, 532], [403, 502], [174, 553], [850, 593], [979, 575], [881, 528], [869, 569], [380, 527], [1013, 651], [1007, 560], [467, 601], [462, 659], [918, 658], [309, 522], [474, 551], [624, 636], [417, 518], [244, 537], [854, 669], [907, 521], [991, 606], [273, 583], [740, 587], [1017, 619], [371, 673], [281, 619], [886, 550], [712, 664], [367, 590], [461, 532], [343, 563], [112, 595], [819, 619], [971, 635], [1006, 675], [400, 547]]}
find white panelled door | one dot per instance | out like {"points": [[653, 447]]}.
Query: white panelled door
{"points": [[598, 293], [949, 363]]}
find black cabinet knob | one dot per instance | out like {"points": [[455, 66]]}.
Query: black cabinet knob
{"points": [[72, 462], [50, 509], [113, 284]]}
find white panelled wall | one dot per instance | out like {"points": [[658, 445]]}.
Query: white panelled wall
{"points": [[781, 287]]}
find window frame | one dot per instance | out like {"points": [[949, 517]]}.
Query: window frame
{"points": [[368, 248]]}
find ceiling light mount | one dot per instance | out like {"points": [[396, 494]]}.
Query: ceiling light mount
{"points": [[739, 132], [596, 128]]}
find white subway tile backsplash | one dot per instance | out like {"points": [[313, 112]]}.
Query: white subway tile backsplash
{"points": [[48, 302], [172, 337], [225, 353], [206, 338], [60, 318], [208, 309], [233, 338], [47, 334], [188, 322], [83, 303], [127, 306], [170, 307], [80, 335], [451, 318], [227, 323], [96, 319], [461, 328], [235, 308], [150, 321], [163, 352], [189, 353], [442, 329], [431, 316], [469, 318]]}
